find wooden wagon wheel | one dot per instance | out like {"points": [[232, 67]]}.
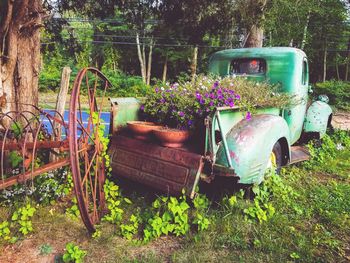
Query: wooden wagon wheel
{"points": [[86, 145]]}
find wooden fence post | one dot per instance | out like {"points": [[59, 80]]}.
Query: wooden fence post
{"points": [[61, 102]]}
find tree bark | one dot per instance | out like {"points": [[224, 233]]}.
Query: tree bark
{"points": [[194, 63], [303, 42], [255, 34], [255, 37], [347, 62], [325, 63], [149, 66], [20, 53], [141, 58], [165, 68], [337, 69]]}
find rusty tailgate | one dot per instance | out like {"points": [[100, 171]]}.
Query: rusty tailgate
{"points": [[167, 169]]}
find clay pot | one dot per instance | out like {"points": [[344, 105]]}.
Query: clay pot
{"points": [[142, 129], [172, 138]]}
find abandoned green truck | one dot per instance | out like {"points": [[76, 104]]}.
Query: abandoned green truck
{"points": [[246, 148]]}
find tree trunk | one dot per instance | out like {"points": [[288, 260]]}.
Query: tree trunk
{"points": [[165, 68], [347, 62], [305, 31], [255, 37], [20, 53], [337, 68], [149, 66], [325, 64], [255, 34], [141, 58], [194, 62]]}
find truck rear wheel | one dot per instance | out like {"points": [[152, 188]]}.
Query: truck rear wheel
{"points": [[275, 160]]}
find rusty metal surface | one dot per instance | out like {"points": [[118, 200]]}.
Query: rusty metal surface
{"points": [[21, 178], [167, 169], [299, 154], [38, 144], [86, 150], [31, 134]]}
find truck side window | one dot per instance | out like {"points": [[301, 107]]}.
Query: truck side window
{"points": [[305, 72], [248, 66]]}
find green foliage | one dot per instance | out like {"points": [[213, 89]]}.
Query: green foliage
{"points": [[5, 232], [22, 219], [323, 155], [73, 253], [201, 204], [113, 200], [338, 93], [15, 159], [170, 215], [73, 211], [126, 86], [263, 208], [17, 129], [129, 230], [46, 188], [45, 249]]}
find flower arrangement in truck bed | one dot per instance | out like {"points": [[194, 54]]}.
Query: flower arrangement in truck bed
{"points": [[185, 105]]}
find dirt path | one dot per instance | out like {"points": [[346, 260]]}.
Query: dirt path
{"points": [[341, 120]]}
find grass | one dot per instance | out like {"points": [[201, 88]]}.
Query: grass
{"points": [[311, 223]]}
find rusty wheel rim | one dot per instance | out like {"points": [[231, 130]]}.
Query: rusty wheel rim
{"points": [[86, 149]]}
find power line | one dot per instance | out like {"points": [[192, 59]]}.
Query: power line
{"points": [[134, 43]]}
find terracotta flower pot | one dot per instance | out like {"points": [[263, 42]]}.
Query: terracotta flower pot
{"points": [[142, 129], [172, 138]]}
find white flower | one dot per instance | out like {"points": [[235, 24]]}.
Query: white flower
{"points": [[340, 147], [161, 88]]}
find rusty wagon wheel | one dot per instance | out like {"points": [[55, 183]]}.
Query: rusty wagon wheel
{"points": [[86, 145]]}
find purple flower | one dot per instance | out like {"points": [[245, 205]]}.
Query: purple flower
{"points": [[190, 122], [142, 107], [198, 96], [162, 100], [248, 116], [238, 97], [181, 114], [212, 96], [211, 103], [156, 90], [206, 95], [231, 104], [216, 83], [201, 101], [220, 97]]}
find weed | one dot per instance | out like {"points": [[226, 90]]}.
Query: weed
{"points": [[45, 249], [73, 253], [22, 218]]}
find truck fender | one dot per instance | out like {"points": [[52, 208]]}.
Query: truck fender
{"points": [[317, 118], [250, 143]]}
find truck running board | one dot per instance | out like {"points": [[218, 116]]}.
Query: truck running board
{"points": [[299, 154]]}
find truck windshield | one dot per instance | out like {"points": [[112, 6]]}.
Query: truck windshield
{"points": [[248, 66]]}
